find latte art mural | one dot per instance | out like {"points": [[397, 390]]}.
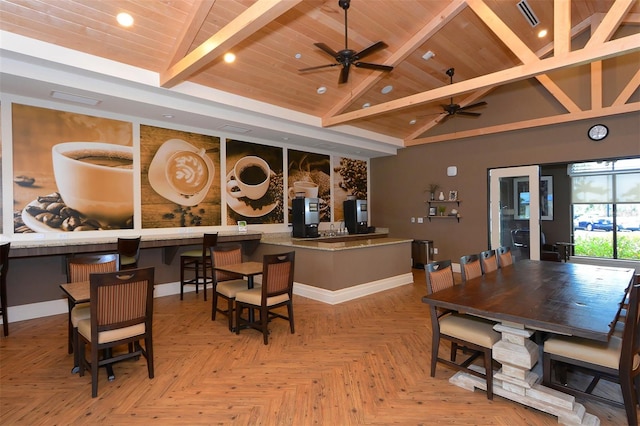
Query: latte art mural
{"points": [[187, 172]]}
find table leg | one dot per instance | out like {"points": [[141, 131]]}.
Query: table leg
{"points": [[516, 381], [251, 312]]}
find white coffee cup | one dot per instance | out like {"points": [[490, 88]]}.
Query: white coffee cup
{"points": [[309, 189], [251, 175], [95, 179]]}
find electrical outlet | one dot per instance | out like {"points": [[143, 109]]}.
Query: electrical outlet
{"points": [[413, 220], [420, 220], [435, 250]]}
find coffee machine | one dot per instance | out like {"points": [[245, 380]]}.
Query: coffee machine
{"points": [[306, 216], [356, 216]]}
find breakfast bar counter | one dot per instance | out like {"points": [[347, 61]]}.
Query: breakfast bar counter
{"points": [[336, 269]]}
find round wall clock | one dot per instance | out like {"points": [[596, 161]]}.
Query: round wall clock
{"points": [[597, 132]]}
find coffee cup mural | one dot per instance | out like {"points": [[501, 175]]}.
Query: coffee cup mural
{"points": [[95, 179], [250, 176], [304, 189], [187, 172]]}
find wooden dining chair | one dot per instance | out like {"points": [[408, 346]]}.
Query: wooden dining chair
{"points": [[198, 262], [4, 269], [471, 335], [225, 284], [121, 314], [128, 252], [470, 267], [276, 291], [80, 268], [615, 361], [489, 261], [505, 258]]}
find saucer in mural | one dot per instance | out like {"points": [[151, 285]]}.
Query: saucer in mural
{"points": [[244, 209]]}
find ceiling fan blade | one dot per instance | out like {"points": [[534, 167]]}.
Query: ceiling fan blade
{"points": [[378, 67], [468, 113], [477, 104], [344, 74], [369, 50], [327, 49], [318, 67]]}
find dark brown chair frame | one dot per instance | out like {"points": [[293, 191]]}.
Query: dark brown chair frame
{"points": [[129, 247], [220, 276], [130, 277], [484, 258], [501, 252], [626, 375], [472, 350], [266, 311], [467, 259], [4, 269], [83, 260], [198, 264]]}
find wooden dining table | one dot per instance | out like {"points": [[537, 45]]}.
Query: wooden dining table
{"points": [[246, 269], [529, 296]]}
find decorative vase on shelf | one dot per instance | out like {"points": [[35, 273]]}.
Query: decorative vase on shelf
{"points": [[441, 196], [432, 196]]}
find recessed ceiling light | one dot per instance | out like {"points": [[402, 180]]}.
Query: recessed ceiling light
{"points": [[124, 19], [321, 90], [366, 105], [542, 33], [229, 57], [412, 122], [75, 98], [386, 89], [167, 115], [298, 56], [285, 138]]}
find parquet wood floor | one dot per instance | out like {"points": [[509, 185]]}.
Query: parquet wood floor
{"points": [[364, 362]]}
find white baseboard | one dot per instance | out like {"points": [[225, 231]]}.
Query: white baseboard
{"points": [[60, 306], [346, 294]]}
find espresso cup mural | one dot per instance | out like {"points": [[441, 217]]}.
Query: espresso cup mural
{"points": [[254, 183], [72, 172]]}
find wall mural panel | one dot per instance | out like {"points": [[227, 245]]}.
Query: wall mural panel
{"points": [[180, 178], [254, 183], [309, 175], [349, 178], [72, 172]]}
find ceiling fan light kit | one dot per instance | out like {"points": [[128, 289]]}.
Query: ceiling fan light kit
{"points": [[456, 109], [347, 57]]}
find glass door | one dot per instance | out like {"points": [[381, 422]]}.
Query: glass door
{"points": [[514, 212]]}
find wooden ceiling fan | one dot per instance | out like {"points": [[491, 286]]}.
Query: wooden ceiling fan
{"points": [[347, 57]]}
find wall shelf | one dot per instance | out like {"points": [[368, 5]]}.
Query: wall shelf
{"points": [[435, 203]]}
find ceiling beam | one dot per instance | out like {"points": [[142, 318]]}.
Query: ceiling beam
{"points": [[246, 24], [527, 124], [197, 15], [521, 50], [610, 22], [610, 49]]}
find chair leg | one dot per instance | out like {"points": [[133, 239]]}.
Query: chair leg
{"points": [[435, 344], [181, 277], [488, 372], [264, 323], [94, 369], [630, 400], [290, 309], [230, 303], [148, 346], [238, 313], [214, 305]]}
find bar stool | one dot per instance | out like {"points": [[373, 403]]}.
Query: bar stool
{"points": [[128, 252], [4, 268], [198, 262]]}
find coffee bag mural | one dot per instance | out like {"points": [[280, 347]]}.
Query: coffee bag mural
{"points": [[72, 172], [254, 183], [180, 183], [349, 178], [309, 176]]}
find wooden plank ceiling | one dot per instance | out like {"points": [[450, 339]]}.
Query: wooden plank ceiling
{"points": [[491, 46]]}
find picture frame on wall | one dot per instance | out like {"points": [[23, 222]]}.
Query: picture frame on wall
{"points": [[453, 195], [432, 211]]}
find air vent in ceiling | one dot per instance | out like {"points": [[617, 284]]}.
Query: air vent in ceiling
{"points": [[527, 12], [233, 129]]}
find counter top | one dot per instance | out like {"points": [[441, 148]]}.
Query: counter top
{"points": [[341, 242]]}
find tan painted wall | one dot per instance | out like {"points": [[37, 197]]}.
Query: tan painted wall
{"points": [[398, 183]]}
